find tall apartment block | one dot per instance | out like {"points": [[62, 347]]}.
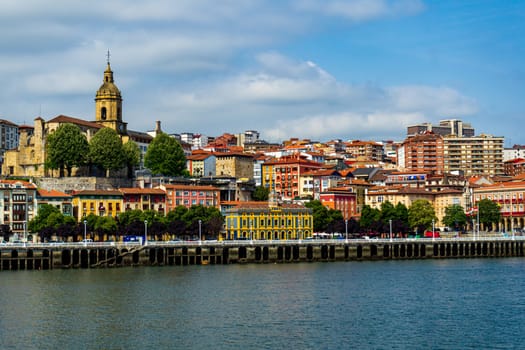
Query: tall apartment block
{"points": [[477, 155], [446, 127]]}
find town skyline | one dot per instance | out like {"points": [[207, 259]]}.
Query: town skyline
{"points": [[318, 70]]}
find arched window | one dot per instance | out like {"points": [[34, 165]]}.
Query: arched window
{"points": [[103, 113]]}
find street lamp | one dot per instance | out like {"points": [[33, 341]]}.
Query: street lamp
{"points": [[85, 231], [346, 230], [200, 230], [433, 230], [390, 224], [145, 232]]}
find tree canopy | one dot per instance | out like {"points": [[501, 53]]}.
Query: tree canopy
{"points": [[132, 156], [261, 194], [66, 147], [421, 214], [455, 217], [165, 156], [323, 217], [106, 150], [489, 212]]}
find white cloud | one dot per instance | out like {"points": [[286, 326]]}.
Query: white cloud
{"points": [[300, 99], [200, 67]]}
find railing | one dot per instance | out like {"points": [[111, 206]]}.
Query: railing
{"points": [[262, 242]]}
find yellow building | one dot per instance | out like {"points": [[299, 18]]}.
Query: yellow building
{"points": [[260, 221], [97, 202], [440, 200]]}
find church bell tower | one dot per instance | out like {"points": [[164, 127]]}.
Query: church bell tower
{"points": [[108, 103]]}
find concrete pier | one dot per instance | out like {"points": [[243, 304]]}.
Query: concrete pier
{"points": [[107, 255]]}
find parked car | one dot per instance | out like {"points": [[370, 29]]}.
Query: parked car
{"points": [[430, 234]]}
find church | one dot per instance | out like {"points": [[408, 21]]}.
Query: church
{"points": [[28, 160]]}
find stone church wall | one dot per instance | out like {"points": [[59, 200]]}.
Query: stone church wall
{"points": [[70, 184]]}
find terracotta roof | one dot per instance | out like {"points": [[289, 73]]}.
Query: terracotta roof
{"points": [[98, 193], [65, 119], [260, 205], [52, 193], [137, 190], [191, 187], [199, 156]]}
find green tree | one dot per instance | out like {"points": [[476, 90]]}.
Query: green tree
{"points": [[420, 214], [320, 215], [324, 219], [388, 211], [489, 212], [261, 194], [455, 217], [106, 150], [132, 156], [39, 222], [49, 221], [66, 148], [165, 156], [369, 217]]}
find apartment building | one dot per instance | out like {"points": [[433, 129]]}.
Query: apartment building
{"points": [[365, 150], [475, 155], [18, 205], [422, 153], [445, 127], [282, 175], [188, 195]]}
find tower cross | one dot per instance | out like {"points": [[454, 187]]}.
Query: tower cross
{"points": [[108, 55]]}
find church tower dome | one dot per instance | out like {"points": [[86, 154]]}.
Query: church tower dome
{"points": [[108, 103]]}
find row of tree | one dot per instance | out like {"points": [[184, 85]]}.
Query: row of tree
{"points": [[420, 216], [68, 147], [184, 223]]}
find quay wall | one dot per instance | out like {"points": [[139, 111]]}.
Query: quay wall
{"points": [[76, 256]]}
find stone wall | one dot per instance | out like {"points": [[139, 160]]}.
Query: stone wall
{"points": [[70, 184]]}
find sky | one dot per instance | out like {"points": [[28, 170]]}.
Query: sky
{"points": [[316, 69]]}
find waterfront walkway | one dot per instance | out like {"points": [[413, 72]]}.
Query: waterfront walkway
{"points": [[45, 256]]}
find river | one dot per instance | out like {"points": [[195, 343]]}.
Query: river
{"points": [[423, 304]]}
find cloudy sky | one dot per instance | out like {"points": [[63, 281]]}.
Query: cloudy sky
{"points": [[318, 69]]}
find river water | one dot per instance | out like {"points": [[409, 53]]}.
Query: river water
{"points": [[430, 304]]}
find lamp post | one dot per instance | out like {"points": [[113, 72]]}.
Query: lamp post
{"points": [[85, 232], [433, 235], [145, 232], [390, 224], [200, 230], [346, 230]]}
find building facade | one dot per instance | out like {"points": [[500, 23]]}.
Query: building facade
{"points": [[188, 195], [479, 155], [422, 153], [284, 174], [18, 205], [260, 221]]}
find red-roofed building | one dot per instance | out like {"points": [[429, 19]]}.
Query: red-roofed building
{"points": [[144, 199], [60, 200], [314, 182], [282, 175], [19, 205], [188, 195], [514, 167], [342, 199]]}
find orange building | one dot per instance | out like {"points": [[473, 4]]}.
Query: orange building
{"points": [[286, 173]]}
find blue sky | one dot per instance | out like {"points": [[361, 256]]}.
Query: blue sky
{"points": [[318, 69]]}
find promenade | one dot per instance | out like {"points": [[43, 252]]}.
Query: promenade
{"points": [[46, 256]]}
